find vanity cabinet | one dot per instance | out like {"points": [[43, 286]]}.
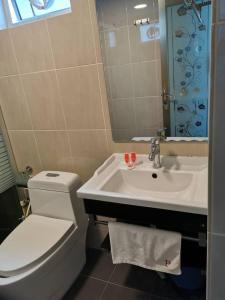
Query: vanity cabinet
{"points": [[193, 227]]}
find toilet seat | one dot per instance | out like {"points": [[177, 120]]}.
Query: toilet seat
{"points": [[31, 242]]}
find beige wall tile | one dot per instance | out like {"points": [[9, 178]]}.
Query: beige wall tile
{"points": [[149, 112], [142, 42], [12, 101], [157, 42], [54, 150], [117, 46], [145, 132], [99, 14], [80, 8], [140, 148], [72, 37], [7, 58], [81, 97], [102, 46], [89, 150], [44, 100], [95, 30], [120, 81], [124, 135], [32, 46], [113, 12], [123, 114], [25, 151], [104, 96], [146, 79]]}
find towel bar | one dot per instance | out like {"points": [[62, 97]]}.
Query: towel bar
{"points": [[201, 236]]}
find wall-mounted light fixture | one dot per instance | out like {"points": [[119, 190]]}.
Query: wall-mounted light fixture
{"points": [[140, 6]]}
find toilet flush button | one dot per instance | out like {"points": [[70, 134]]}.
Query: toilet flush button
{"points": [[52, 175]]}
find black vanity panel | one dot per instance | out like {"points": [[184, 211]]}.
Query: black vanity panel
{"points": [[186, 223]]}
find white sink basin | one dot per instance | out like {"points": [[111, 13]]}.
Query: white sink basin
{"points": [[140, 182], [180, 185]]}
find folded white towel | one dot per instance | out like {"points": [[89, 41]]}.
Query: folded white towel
{"points": [[145, 247]]}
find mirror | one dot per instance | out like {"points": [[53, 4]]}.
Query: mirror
{"points": [[156, 63]]}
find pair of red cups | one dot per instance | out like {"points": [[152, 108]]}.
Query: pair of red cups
{"points": [[130, 158]]}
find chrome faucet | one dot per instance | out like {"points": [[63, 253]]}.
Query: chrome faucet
{"points": [[154, 154]]}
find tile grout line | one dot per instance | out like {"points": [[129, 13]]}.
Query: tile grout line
{"points": [[107, 283], [103, 291], [50, 70], [121, 286], [78, 66]]}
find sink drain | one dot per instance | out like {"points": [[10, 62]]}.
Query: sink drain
{"points": [[154, 175]]}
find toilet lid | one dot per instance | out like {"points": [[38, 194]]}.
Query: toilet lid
{"points": [[31, 242]]}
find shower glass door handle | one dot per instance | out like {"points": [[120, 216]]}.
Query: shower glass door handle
{"points": [[167, 98]]}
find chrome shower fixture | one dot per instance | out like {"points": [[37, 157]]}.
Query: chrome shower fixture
{"points": [[191, 4]]}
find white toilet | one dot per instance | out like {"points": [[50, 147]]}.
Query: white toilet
{"points": [[43, 256]]}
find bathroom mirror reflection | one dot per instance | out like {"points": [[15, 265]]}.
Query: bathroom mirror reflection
{"points": [[185, 48], [156, 62]]}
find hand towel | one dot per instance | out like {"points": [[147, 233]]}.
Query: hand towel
{"points": [[146, 247]]}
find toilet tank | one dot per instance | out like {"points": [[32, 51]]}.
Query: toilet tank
{"points": [[53, 194]]}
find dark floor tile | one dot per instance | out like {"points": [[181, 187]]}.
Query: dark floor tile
{"points": [[115, 292], [85, 288], [99, 264], [194, 295], [148, 281]]}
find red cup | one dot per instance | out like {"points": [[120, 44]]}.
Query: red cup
{"points": [[127, 158], [133, 157]]}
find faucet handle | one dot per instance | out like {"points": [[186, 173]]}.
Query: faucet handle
{"points": [[161, 133]]}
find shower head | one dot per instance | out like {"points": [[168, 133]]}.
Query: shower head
{"points": [[191, 4]]}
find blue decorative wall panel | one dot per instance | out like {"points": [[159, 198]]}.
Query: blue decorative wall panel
{"points": [[188, 51]]}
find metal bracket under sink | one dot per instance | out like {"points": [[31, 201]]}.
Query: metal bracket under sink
{"points": [[201, 240]]}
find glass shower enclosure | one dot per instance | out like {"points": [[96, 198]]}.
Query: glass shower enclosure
{"points": [[186, 63]]}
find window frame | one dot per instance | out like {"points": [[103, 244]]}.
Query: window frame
{"points": [[10, 23]]}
